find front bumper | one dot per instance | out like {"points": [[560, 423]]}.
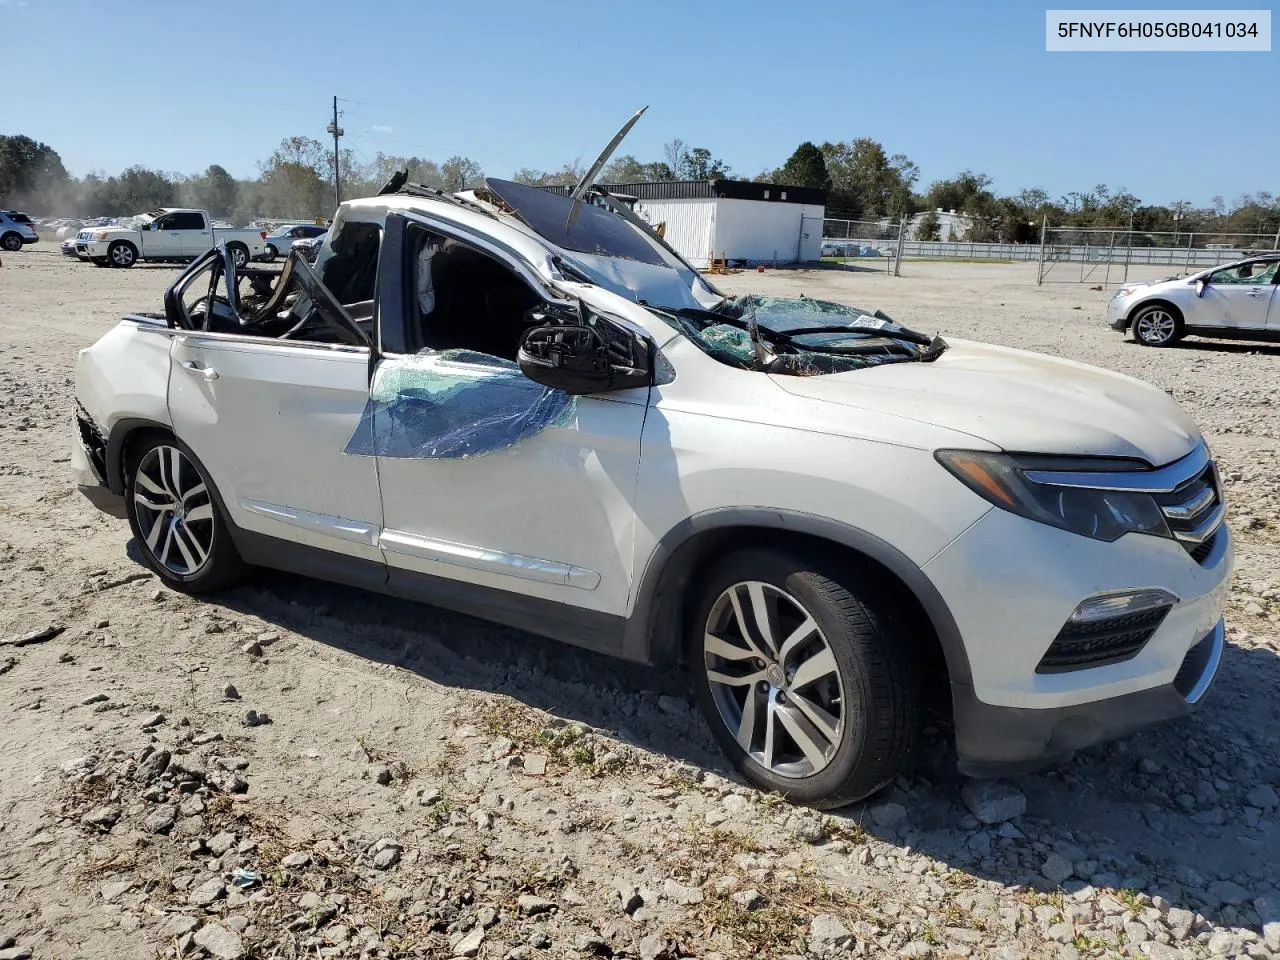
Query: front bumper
{"points": [[1118, 314], [1007, 741], [92, 248]]}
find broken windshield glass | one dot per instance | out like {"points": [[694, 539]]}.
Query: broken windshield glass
{"points": [[799, 336]]}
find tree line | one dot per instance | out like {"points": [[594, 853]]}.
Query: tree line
{"points": [[862, 180]]}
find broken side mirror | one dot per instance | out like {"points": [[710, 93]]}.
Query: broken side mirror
{"points": [[1200, 286], [581, 358]]}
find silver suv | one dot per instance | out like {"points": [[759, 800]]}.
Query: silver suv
{"points": [[16, 229]]}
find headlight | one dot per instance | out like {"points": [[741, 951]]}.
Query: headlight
{"points": [[1101, 514], [101, 234], [1124, 292]]}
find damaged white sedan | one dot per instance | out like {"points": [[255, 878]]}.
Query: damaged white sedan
{"points": [[529, 408]]}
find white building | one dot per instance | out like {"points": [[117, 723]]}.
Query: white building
{"points": [[733, 219], [951, 225]]}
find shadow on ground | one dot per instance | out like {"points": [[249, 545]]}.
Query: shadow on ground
{"points": [[1164, 811]]}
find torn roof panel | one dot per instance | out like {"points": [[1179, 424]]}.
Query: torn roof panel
{"points": [[580, 227]]}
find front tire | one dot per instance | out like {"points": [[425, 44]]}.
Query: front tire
{"points": [[805, 675], [11, 242], [122, 254], [176, 519], [1157, 326]]}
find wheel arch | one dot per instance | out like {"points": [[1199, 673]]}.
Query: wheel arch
{"points": [[656, 625], [122, 433], [1155, 302]]}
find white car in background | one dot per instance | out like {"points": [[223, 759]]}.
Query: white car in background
{"points": [[552, 421], [281, 240], [168, 234], [1238, 301]]}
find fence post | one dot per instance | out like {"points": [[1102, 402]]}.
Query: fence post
{"points": [[1111, 252], [1044, 226], [1187, 265], [1084, 260], [902, 236], [1275, 244]]}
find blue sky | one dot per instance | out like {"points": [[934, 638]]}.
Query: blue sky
{"points": [[954, 85]]}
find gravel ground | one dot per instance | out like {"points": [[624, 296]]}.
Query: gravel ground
{"points": [[300, 770]]}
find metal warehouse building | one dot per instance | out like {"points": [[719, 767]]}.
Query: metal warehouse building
{"points": [[732, 219]]}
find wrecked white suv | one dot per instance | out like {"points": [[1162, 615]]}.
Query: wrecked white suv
{"points": [[529, 408]]}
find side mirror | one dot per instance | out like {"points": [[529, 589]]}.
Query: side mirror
{"points": [[577, 359], [1200, 286]]}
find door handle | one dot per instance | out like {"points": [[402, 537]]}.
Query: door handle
{"points": [[204, 373]]}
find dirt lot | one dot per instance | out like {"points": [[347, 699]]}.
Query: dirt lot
{"points": [[428, 785]]}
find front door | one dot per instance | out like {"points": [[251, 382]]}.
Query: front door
{"points": [[163, 239], [519, 491], [1238, 297]]}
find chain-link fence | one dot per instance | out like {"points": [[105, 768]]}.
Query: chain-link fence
{"points": [[1089, 254], [851, 240]]}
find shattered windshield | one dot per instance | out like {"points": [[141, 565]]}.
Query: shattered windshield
{"points": [[799, 336]]}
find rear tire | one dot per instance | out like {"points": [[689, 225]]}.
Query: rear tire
{"points": [[175, 516], [271, 253], [827, 718], [239, 255], [122, 254], [11, 242], [1157, 325]]}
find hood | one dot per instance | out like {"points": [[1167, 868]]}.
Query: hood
{"points": [[1019, 401]]}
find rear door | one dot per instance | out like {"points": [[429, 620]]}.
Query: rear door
{"points": [[197, 234], [270, 419]]}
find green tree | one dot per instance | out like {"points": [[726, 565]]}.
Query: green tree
{"points": [[927, 227], [459, 173], [216, 191], [867, 182], [28, 168], [806, 168]]}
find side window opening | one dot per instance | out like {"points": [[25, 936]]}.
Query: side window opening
{"points": [[351, 269], [466, 299]]}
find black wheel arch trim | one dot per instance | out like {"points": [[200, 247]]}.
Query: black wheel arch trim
{"points": [[653, 628], [118, 438]]}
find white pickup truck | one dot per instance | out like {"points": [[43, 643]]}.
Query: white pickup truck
{"points": [[169, 233]]}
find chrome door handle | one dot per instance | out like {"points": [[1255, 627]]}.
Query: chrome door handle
{"points": [[204, 373]]}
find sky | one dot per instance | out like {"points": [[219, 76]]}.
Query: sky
{"points": [[953, 85]]}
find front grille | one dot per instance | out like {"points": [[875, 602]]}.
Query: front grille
{"points": [[1100, 642], [1200, 553], [1190, 511]]}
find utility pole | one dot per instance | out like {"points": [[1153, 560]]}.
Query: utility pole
{"points": [[337, 176]]}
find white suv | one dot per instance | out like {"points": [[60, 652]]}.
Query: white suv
{"points": [[16, 230], [531, 409]]}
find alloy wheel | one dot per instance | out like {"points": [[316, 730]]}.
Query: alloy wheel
{"points": [[1156, 327], [121, 255], [774, 679], [174, 510]]}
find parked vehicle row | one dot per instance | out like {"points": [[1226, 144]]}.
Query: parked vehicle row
{"points": [[281, 240]]}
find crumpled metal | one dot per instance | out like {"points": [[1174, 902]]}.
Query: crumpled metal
{"points": [[453, 405]]}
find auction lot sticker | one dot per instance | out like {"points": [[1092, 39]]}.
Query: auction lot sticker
{"points": [[1167, 30]]}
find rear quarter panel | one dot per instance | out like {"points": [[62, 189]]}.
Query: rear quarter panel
{"points": [[125, 375]]}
